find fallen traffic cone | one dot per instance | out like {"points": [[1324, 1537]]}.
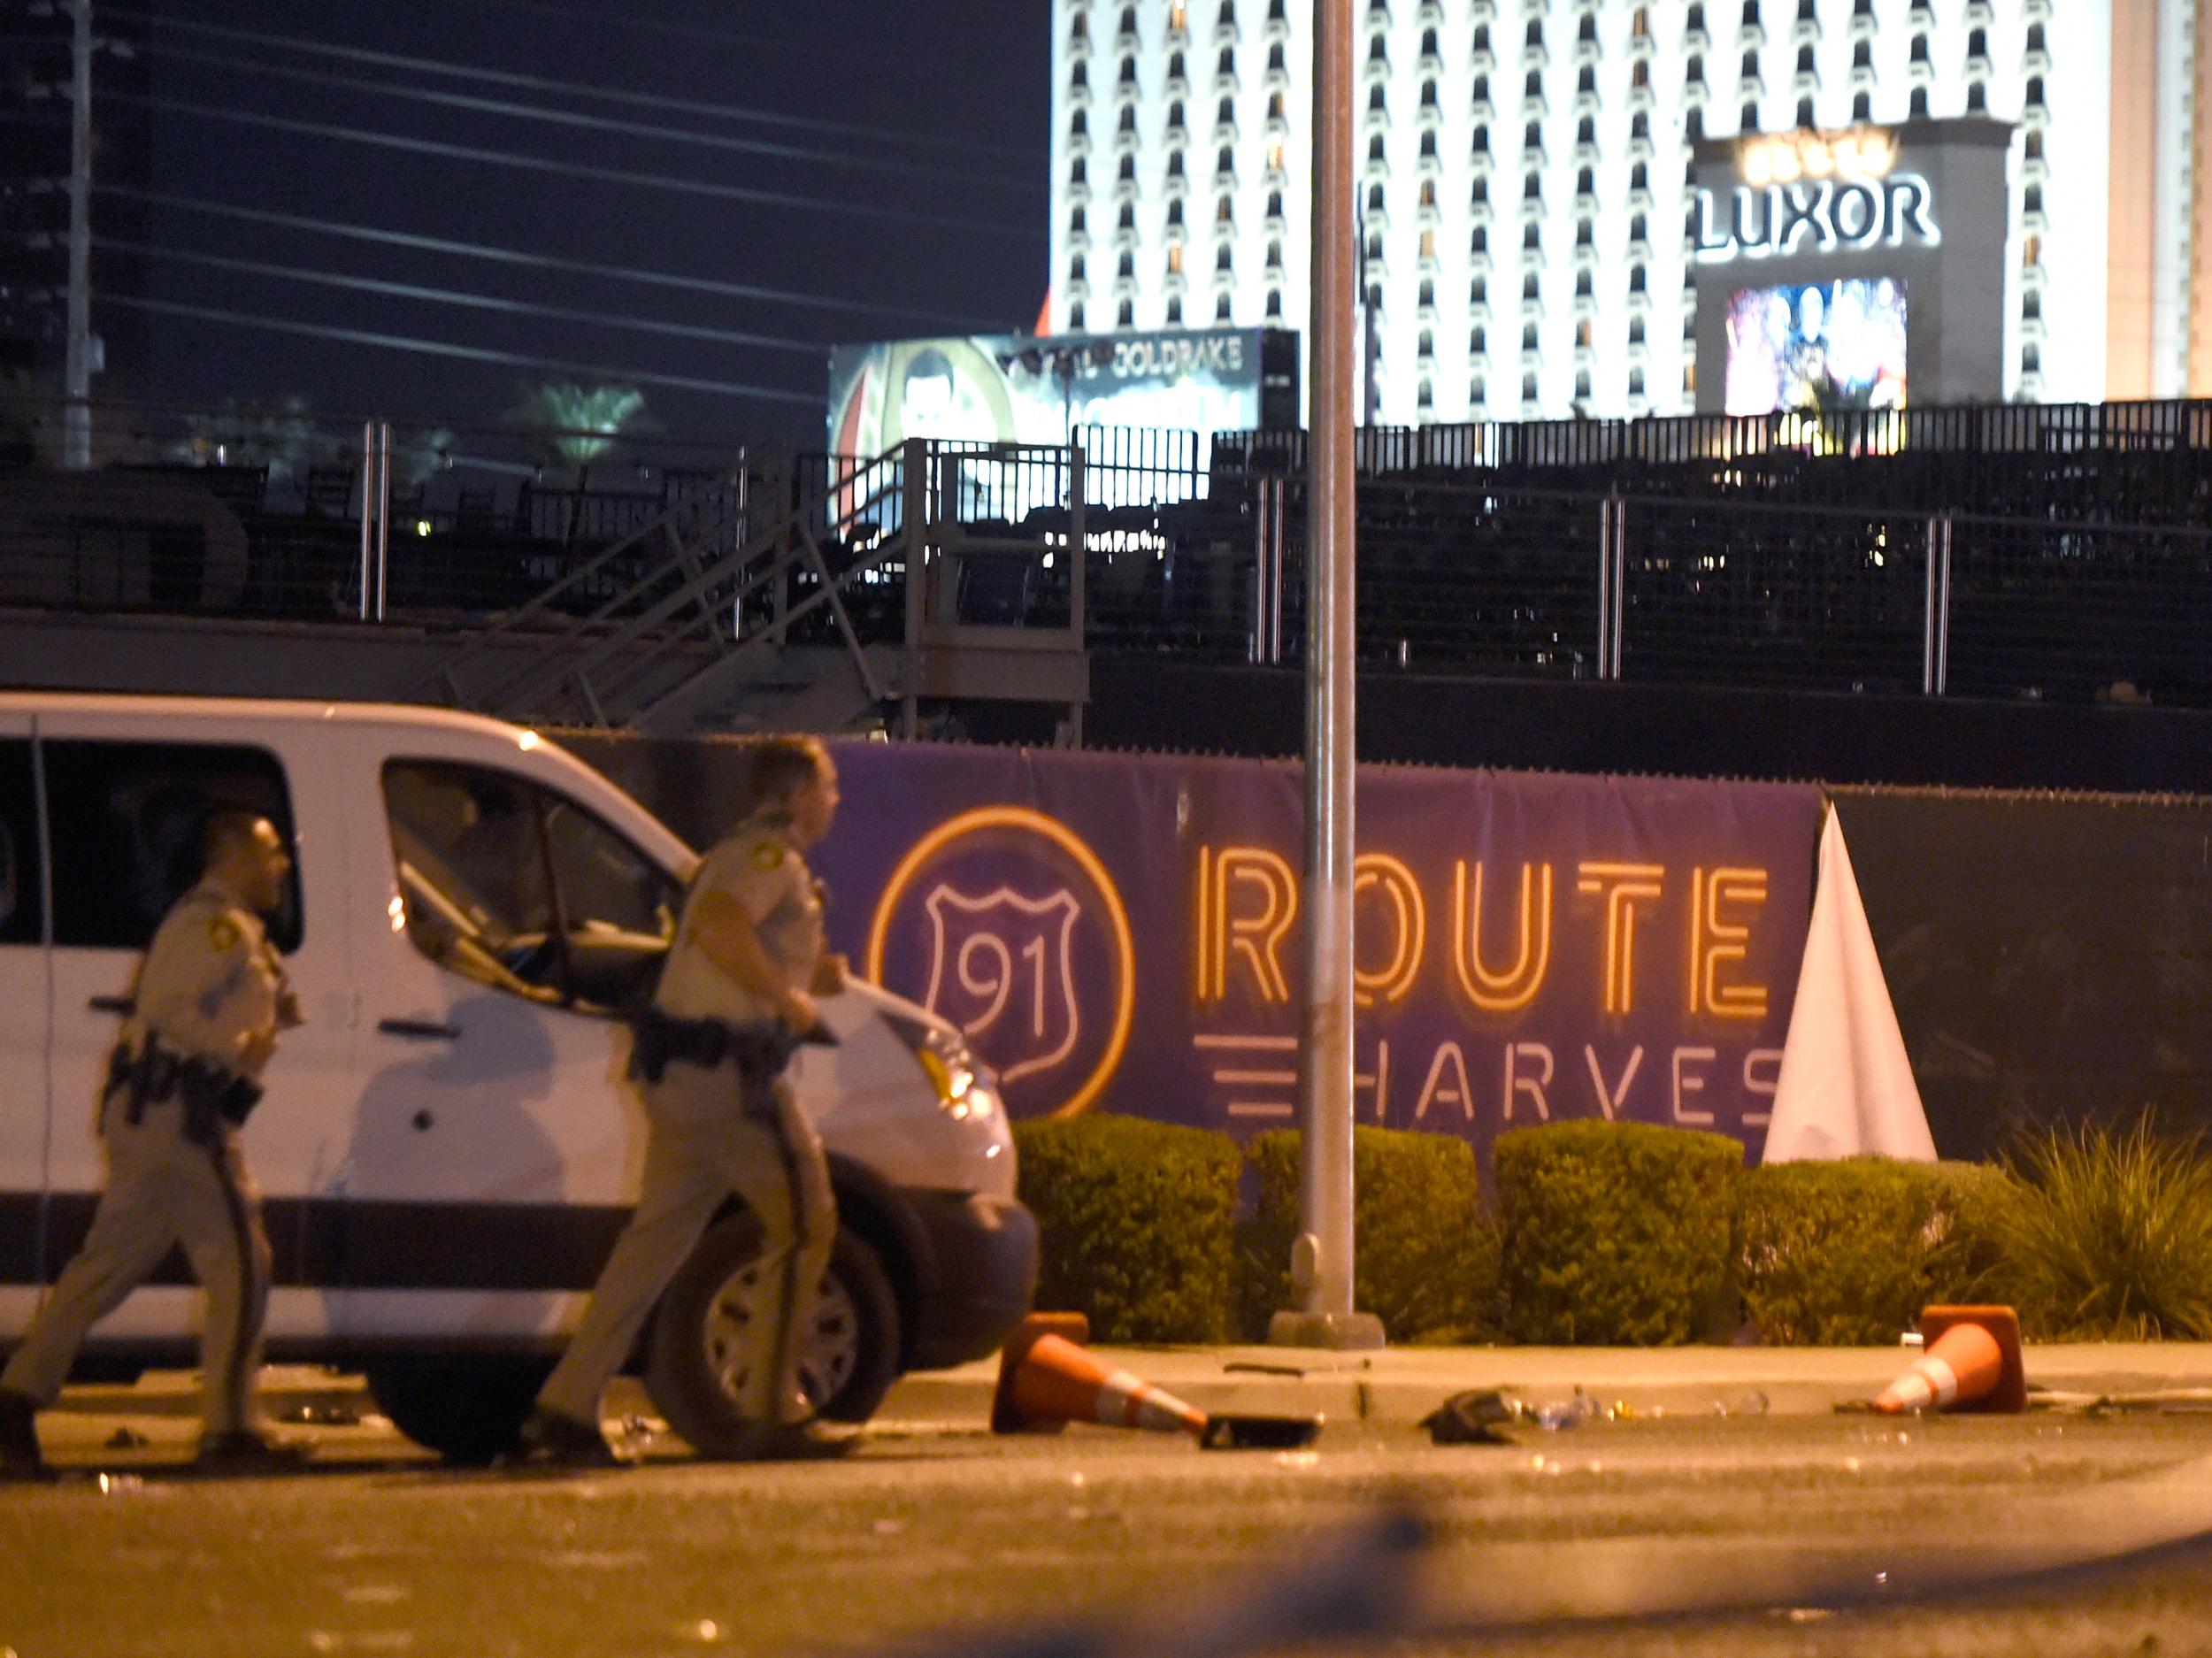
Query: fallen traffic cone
{"points": [[1005, 1418], [1971, 1361], [1056, 1382]]}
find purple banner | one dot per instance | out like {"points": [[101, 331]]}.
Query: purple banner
{"points": [[1122, 933]]}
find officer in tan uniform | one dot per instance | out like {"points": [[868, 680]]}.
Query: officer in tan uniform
{"points": [[210, 1000], [736, 997]]}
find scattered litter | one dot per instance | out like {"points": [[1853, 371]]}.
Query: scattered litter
{"points": [[1297, 1459], [127, 1439], [1259, 1433], [323, 1414], [1276, 1366], [325, 1640], [1562, 1413], [1912, 1339], [1621, 1410], [120, 1485], [1851, 1465], [1473, 1417]]}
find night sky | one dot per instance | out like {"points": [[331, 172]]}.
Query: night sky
{"points": [[967, 86]]}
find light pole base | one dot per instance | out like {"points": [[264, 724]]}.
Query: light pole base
{"points": [[1341, 1332]]}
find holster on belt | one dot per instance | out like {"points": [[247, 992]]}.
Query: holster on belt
{"points": [[658, 1040], [213, 1095]]}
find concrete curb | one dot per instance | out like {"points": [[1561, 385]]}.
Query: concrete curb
{"points": [[1396, 1388]]}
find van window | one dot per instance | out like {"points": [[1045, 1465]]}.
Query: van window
{"points": [[21, 895], [517, 887], [125, 819]]}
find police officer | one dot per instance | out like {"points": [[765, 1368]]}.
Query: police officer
{"points": [[735, 996], [210, 1000]]}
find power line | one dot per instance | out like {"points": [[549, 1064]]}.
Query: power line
{"points": [[574, 169], [537, 261], [456, 296], [570, 88], [573, 14], [571, 118], [469, 353]]}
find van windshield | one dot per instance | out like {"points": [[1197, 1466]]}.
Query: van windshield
{"points": [[515, 887]]}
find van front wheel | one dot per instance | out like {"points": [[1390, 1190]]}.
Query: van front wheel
{"points": [[703, 1336], [469, 1410]]}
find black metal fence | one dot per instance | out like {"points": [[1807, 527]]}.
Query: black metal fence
{"points": [[1463, 566]]}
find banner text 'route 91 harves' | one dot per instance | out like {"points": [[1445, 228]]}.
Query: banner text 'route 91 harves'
{"points": [[1120, 933]]}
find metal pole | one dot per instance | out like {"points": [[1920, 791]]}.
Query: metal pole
{"points": [[76, 420], [1321, 1260], [913, 512], [368, 515], [1928, 612], [1262, 496], [383, 512], [1605, 587]]}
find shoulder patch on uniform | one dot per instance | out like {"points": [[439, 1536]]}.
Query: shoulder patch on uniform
{"points": [[767, 856], [223, 932]]}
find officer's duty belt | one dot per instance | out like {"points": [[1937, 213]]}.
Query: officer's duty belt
{"points": [[155, 1075]]}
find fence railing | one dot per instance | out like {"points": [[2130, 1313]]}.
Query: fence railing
{"points": [[1975, 429], [1526, 582], [1195, 553]]}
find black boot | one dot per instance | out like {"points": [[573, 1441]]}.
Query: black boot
{"points": [[552, 1439], [19, 1456], [249, 1451]]}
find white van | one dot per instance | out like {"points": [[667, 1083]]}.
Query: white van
{"points": [[447, 1150]]}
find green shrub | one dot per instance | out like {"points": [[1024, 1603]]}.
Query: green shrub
{"points": [[1845, 1254], [1618, 1232], [2106, 1232], [1425, 1252], [1137, 1221]]}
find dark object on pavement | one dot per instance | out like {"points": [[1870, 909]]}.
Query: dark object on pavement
{"points": [[1470, 1418], [127, 1439], [551, 1439], [19, 1456], [1260, 1433], [323, 1414], [242, 1450]]}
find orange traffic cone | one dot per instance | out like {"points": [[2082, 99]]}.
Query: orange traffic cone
{"points": [[1055, 1382], [1971, 1361], [1005, 1418]]}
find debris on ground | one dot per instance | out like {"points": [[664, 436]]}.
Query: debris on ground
{"points": [[1474, 1418], [127, 1439]]}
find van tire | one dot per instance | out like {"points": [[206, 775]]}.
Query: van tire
{"points": [[855, 1347], [469, 1410]]}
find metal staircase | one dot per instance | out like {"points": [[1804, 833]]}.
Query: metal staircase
{"points": [[844, 608]]}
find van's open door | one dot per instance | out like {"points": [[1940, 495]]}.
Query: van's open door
{"points": [[26, 1027]]}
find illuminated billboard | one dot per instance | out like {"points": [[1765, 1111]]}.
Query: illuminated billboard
{"points": [[1013, 389], [1817, 346]]}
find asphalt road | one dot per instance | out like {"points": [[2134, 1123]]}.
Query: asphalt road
{"points": [[936, 1532]]}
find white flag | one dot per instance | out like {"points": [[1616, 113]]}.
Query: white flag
{"points": [[1846, 1089]]}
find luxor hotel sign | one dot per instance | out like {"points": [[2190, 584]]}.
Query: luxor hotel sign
{"points": [[1809, 191]]}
